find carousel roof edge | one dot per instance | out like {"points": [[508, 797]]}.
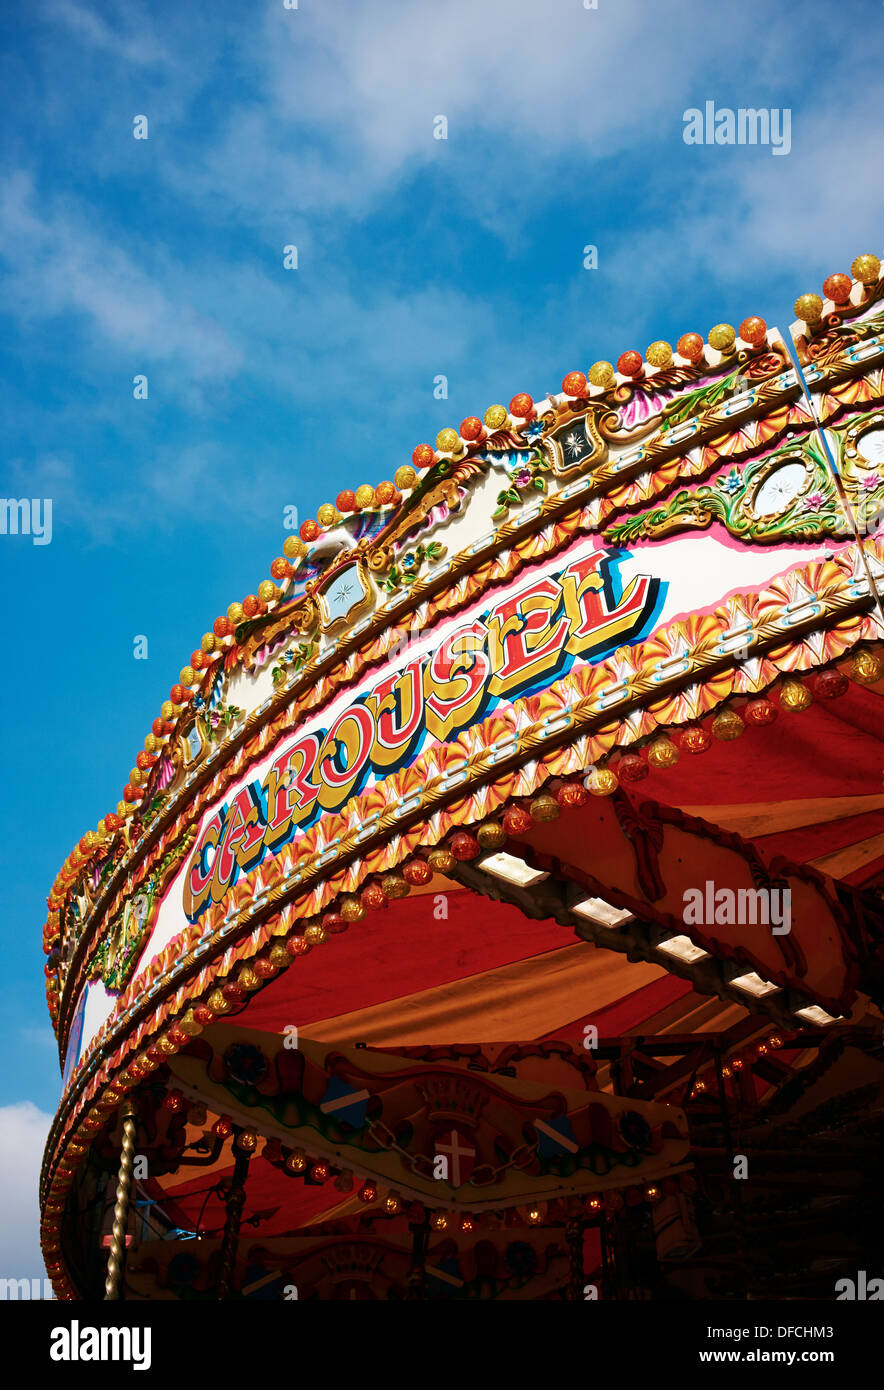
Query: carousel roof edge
{"points": [[372, 519]]}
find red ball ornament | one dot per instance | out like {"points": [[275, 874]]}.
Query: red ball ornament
{"points": [[309, 530], [279, 569], [464, 846], [417, 872], [198, 659], [830, 685], [368, 1192], [264, 969], [690, 345], [471, 428], [113, 821], [424, 456], [517, 820], [760, 712], [346, 500], [522, 406], [695, 739], [373, 896], [630, 363], [222, 627], [753, 330], [837, 287], [385, 493], [179, 694], [204, 1015], [174, 1101], [572, 794], [333, 922], [250, 604], [574, 384], [223, 1126], [631, 768], [145, 760], [158, 728], [297, 946], [130, 793]]}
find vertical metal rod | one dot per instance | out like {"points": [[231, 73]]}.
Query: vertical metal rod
{"points": [[576, 1272], [117, 1255], [234, 1203], [729, 1146], [417, 1275]]}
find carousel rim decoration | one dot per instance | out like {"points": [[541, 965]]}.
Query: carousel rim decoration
{"points": [[498, 676]]}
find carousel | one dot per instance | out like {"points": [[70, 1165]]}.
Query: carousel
{"points": [[494, 910]]}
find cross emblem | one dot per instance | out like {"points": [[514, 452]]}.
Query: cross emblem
{"points": [[462, 1155]]}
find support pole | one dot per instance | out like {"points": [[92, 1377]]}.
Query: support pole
{"points": [[417, 1275], [576, 1274], [116, 1258], [234, 1203]]}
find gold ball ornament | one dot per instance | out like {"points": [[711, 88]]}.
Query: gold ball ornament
{"points": [[722, 337], [491, 835], [809, 308], [866, 269], [235, 613], [663, 753], [316, 934], [267, 591], [496, 417], [247, 979], [167, 710], [545, 808], [794, 695], [208, 642], [659, 354], [601, 374], [122, 808], [293, 548], [441, 860], [187, 676], [152, 744], [136, 776], [352, 909], [395, 886], [448, 441], [279, 956], [405, 477], [365, 496], [727, 725], [328, 515], [601, 781], [866, 668]]}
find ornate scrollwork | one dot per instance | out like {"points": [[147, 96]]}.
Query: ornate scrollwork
{"points": [[808, 507]]}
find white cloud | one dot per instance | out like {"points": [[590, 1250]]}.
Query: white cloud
{"points": [[57, 264], [138, 46], [23, 1131]]}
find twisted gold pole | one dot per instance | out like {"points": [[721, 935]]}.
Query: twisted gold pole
{"points": [[234, 1203], [117, 1254]]}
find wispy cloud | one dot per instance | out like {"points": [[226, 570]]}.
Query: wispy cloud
{"points": [[23, 1131]]}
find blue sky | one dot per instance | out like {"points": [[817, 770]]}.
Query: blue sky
{"points": [[417, 257]]}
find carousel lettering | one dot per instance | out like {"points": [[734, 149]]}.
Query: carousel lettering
{"points": [[520, 644]]}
